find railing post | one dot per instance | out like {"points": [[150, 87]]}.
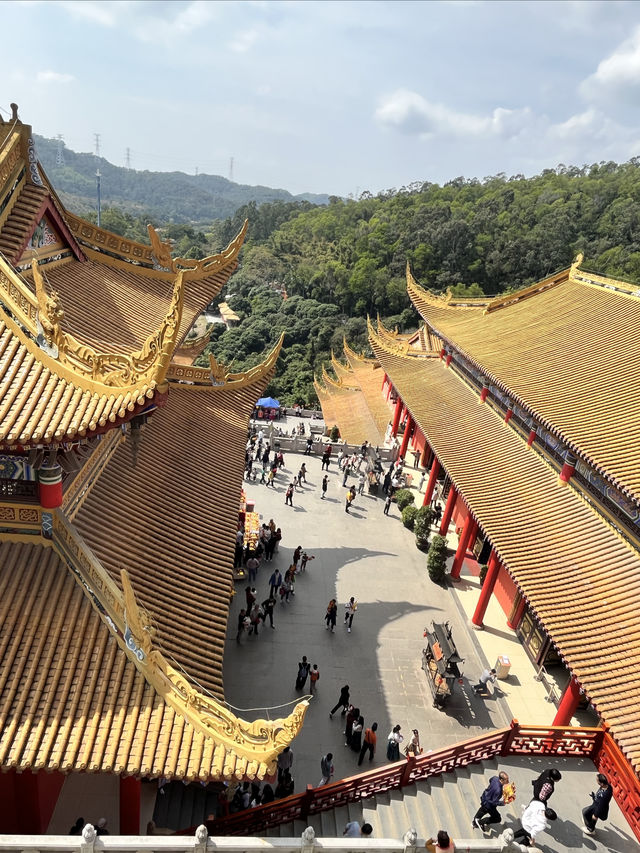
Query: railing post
{"points": [[406, 772], [308, 840], [88, 837], [200, 839], [307, 800], [509, 736]]}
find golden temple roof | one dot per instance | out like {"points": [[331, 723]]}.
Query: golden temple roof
{"points": [[579, 576], [83, 689], [567, 349]]}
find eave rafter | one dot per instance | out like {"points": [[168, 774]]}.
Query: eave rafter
{"points": [[218, 377]]}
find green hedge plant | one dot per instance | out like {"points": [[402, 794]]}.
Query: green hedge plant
{"points": [[404, 497], [422, 527], [437, 559], [409, 514]]}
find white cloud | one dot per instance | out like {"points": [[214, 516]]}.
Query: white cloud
{"points": [[244, 41], [618, 76], [53, 77], [105, 14], [412, 114]]}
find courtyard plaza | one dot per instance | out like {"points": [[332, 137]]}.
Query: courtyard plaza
{"points": [[372, 557]]}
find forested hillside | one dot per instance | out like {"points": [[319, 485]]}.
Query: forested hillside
{"points": [[347, 260], [161, 196], [340, 262]]}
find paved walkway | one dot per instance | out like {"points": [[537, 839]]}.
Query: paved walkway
{"points": [[374, 558]]}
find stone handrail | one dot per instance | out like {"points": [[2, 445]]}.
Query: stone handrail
{"points": [[200, 842]]}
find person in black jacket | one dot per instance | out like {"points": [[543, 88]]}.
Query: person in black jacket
{"points": [[343, 702], [489, 801], [599, 808], [545, 784]]}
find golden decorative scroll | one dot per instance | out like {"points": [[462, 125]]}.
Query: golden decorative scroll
{"points": [[149, 364]]}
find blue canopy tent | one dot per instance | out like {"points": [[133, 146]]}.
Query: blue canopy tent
{"points": [[268, 403]]}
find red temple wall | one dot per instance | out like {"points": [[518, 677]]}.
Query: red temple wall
{"points": [[505, 590]]}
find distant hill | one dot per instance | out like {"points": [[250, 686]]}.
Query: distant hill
{"points": [[165, 196]]}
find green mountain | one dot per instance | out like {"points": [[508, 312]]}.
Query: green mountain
{"points": [[163, 196]]}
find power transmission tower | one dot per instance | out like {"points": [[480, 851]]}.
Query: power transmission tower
{"points": [[60, 151], [128, 158], [231, 169], [96, 136]]}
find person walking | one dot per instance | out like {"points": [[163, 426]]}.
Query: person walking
{"points": [[394, 740], [309, 447], [288, 498], [254, 617], [534, 820], [544, 785], [599, 808], [304, 559], [326, 768], [296, 557], [354, 830], [387, 504], [303, 672], [267, 610], [361, 482], [250, 595], [357, 728], [349, 611], [275, 582], [325, 485], [243, 624], [326, 457], [486, 677], [369, 742], [314, 677], [413, 748], [352, 716], [252, 567], [285, 760], [302, 474], [343, 702], [489, 801], [351, 496], [271, 478], [331, 615]]}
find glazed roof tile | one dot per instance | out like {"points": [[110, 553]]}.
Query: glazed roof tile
{"points": [[569, 351], [578, 575], [347, 408], [71, 699], [170, 514]]}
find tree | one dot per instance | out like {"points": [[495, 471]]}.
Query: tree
{"points": [[437, 559]]}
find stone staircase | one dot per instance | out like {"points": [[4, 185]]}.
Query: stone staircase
{"points": [[184, 805], [439, 802]]}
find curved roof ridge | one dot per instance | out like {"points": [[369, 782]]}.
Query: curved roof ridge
{"points": [[352, 355], [96, 370], [341, 370], [217, 376], [385, 340], [131, 624]]}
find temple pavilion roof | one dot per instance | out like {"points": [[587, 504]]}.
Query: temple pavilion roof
{"points": [[578, 575], [567, 349]]}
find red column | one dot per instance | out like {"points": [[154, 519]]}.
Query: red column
{"points": [[50, 486], [484, 393], [396, 417], [487, 589], [389, 386], [532, 435], [426, 450], [448, 511], [516, 619], [384, 381], [431, 483], [568, 469], [470, 526], [568, 704], [129, 805], [407, 435]]}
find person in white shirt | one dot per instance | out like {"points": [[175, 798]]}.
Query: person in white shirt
{"points": [[535, 819], [354, 830]]}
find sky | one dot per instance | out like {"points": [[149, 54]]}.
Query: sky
{"points": [[329, 97]]}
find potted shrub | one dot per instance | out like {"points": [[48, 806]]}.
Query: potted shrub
{"points": [[404, 497], [334, 434], [437, 559], [408, 516], [484, 568], [422, 527]]}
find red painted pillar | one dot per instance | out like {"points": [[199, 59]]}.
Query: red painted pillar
{"points": [[568, 469], [426, 450], [389, 386], [384, 381], [431, 483], [470, 526], [468, 534], [129, 805], [487, 589], [407, 435], [396, 417], [509, 412], [50, 486], [568, 704], [516, 619], [532, 435], [448, 511]]}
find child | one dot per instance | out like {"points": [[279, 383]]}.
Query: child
{"points": [[305, 559], [314, 675]]}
